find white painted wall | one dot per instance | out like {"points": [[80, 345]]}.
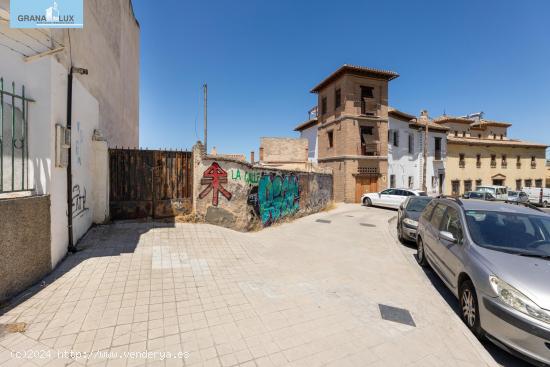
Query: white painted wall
{"points": [[45, 81], [85, 120], [433, 167], [403, 164], [311, 135]]}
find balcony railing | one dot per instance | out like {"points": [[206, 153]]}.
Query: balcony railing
{"points": [[504, 164], [518, 165], [533, 164], [493, 164], [478, 164], [461, 164], [370, 149], [369, 107]]}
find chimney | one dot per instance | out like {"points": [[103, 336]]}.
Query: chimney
{"points": [[252, 157], [213, 151], [261, 154], [424, 114]]}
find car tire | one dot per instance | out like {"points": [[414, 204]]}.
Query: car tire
{"points": [[421, 253], [545, 204], [400, 233], [469, 309], [367, 202]]}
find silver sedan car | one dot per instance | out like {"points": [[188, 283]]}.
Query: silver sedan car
{"points": [[495, 258]]}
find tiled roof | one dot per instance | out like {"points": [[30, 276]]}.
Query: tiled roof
{"points": [[431, 125], [305, 125], [400, 114], [484, 122], [358, 70], [448, 118], [477, 141]]}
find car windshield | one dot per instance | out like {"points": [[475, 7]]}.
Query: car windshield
{"points": [[418, 203], [518, 233], [476, 195], [512, 193]]}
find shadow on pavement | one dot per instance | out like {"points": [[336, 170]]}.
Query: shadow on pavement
{"points": [[501, 357], [102, 240]]}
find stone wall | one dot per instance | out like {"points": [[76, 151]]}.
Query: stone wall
{"points": [[25, 253], [242, 196]]}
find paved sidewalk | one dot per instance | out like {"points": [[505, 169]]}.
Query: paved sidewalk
{"points": [[305, 293]]}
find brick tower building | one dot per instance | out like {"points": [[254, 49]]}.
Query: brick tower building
{"points": [[353, 129]]}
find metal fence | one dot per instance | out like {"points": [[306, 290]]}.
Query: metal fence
{"points": [[14, 148]]}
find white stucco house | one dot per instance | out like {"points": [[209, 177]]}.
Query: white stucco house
{"points": [[406, 135], [38, 101]]}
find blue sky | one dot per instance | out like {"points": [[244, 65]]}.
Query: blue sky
{"points": [[261, 58]]}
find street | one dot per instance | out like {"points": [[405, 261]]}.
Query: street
{"points": [[306, 293]]}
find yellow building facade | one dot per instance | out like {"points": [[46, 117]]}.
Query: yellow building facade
{"points": [[479, 152]]}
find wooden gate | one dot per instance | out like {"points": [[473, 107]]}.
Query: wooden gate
{"points": [[364, 184], [150, 183]]}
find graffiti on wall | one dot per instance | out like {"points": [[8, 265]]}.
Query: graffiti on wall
{"points": [[213, 178], [249, 177], [275, 197], [78, 201]]}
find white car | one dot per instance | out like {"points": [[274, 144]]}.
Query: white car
{"points": [[390, 198]]}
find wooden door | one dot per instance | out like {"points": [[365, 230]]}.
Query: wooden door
{"points": [[364, 185]]}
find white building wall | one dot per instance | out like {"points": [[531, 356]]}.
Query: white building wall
{"points": [[45, 81], [434, 168], [311, 135], [401, 163]]}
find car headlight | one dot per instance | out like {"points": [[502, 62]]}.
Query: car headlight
{"points": [[410, 222], [517, 300]]}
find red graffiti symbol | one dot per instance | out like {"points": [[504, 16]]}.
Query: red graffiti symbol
{"points": [[214, 176]]}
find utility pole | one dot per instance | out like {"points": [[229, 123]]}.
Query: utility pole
{"points": [[205, 87], [424, 117]]}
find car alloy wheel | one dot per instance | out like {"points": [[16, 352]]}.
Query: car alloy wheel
{"points": [[468, 308], [420, 253], [367, 202]]}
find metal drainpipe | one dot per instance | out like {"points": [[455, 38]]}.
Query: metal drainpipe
{"points": [[71, 247]]}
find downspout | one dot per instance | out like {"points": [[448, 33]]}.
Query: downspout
{"points": [[71, 247]]}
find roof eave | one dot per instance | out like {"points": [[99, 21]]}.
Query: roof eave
{"points": [[349, 69]]}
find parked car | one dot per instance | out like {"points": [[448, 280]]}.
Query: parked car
{"points": [[499, 192], [481, 195], [534, 194], [390, 198], [495, 258], [407, 216], [518, 196]]}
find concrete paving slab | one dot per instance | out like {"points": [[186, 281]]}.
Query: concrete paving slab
{"points": [[294, 294]]}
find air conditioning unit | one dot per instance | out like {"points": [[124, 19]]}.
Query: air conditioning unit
{"points": [[62, 145]]}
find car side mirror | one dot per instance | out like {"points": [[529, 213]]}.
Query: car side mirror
{"points": [[447, 236]]}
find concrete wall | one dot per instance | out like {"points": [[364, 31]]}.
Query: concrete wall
{"points": [[25, 253], [241, 196]]}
